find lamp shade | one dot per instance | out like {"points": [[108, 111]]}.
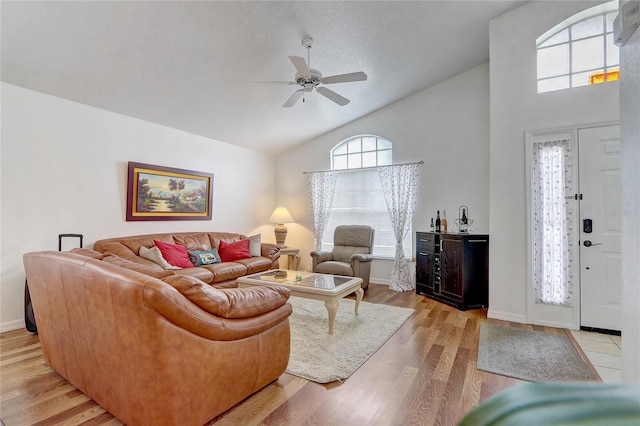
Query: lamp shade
{"points": [[281, 216]]}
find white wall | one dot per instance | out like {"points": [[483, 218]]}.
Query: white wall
{"points": [[516, 108], [64, 170], [446, 125], [630, 128]]}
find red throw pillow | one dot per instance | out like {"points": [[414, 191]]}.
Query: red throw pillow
{"points": [[234, 251], [175, 254]]}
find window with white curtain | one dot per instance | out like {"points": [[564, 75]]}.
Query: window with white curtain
{"points": [[552, 222], [358, 198], [579, 51]]}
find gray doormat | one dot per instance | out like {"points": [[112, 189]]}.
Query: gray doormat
{"points": [[534, 356]]}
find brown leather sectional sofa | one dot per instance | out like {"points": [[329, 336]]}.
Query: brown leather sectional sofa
{"points": [[156, 351], [219, 275]]}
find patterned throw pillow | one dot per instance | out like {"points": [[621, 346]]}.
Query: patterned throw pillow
{"points": [[203, 257]]}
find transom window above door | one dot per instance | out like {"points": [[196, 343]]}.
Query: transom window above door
{"points": [[579, 51]]}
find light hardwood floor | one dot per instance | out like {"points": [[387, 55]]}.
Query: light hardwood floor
{"points": [[425, 374]]}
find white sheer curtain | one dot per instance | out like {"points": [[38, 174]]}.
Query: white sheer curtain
{"points": [[400, 186], [359, 199], [322, 186], [552, 223]]}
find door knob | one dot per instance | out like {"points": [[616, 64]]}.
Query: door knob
{"points": [[588, 243]]}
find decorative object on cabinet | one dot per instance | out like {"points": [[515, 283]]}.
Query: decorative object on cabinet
{"points": [[165, 193], [453, 268], [280, 216], [444, 227], [462, 221]]}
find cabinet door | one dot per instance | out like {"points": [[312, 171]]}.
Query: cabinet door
{"points": [[424, 260], [451, 258], [475, 273], [424, 268]]}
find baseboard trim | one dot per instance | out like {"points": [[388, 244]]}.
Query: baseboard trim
{"points": [[506, 316], [12, 325], [380, 281], [555, 324]]}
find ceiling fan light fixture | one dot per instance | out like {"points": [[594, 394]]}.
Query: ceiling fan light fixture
{"points": [[314, 77]]}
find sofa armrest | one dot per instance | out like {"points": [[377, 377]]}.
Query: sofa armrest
{"points": [[112, 247], [184, 314], [269, 250], [318, 256], [321, 256], [89, 253], [230, 302], [362, 257]]}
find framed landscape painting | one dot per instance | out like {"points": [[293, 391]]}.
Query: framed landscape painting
{"points": [[165, 193]]}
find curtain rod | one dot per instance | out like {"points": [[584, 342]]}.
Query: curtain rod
{"points": [[364, 168]]}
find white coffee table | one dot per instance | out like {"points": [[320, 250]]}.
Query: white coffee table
{"points": [[329, 288]]}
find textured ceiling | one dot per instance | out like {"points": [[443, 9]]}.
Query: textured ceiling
{"points": [[192, 65]]}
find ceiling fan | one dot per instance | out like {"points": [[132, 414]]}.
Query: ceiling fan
{"points": [[308, 79]]}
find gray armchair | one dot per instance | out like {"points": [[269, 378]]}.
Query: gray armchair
{"points": [[351, 254]]}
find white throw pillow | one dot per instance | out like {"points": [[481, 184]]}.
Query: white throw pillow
{"points": [[255, 245], [153, 254]]}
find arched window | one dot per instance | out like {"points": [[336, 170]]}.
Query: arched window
{"points": [[359, 198], [579, 51], [361, 151]]}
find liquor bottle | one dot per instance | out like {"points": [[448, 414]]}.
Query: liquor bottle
{"points": [[443, 222], [464, 225], [438, 221], [431, 227]]}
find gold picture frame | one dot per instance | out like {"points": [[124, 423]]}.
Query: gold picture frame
{"points": [[166, 193]]}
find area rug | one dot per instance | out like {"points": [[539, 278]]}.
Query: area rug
{"points": [[318, 356], [534, 356]]}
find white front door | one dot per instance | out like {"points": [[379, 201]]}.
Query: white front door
{"points": [[600, 258]]}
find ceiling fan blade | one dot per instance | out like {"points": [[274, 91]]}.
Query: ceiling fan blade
{"points": [[330, 94], [286, 83], [300, 64], [293, 99], [343, 78]]}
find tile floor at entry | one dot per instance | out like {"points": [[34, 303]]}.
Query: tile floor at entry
{"points": [[605, 353]]}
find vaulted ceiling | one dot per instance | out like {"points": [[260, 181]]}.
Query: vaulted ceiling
{"points": [[194, 65]]}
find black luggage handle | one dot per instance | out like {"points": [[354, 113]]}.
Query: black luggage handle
{"points": [[61, 236]]}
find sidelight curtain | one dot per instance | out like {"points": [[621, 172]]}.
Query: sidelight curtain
{"points": [[552, 219], [400, 187], [322, 187]]}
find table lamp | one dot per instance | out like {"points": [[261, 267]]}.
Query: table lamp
{"points": [[280, 216]]}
